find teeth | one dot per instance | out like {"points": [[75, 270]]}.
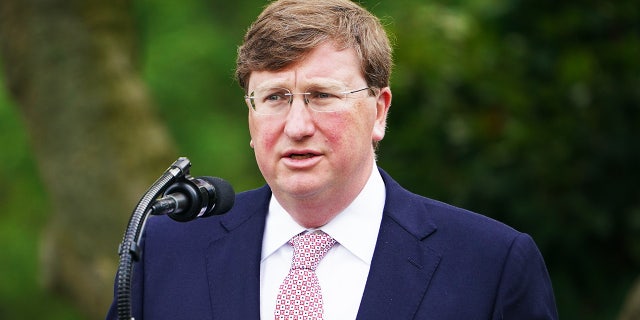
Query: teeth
{"points": [[301, 156]]}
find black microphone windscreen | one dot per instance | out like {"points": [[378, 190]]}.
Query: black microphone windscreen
{"points": [[225, 195]]}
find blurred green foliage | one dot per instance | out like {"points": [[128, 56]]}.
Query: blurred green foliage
{"points": [[525, 111], [188, 57], [529, 112], [23, 212]]}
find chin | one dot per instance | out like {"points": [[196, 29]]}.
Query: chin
{"points": [[300, 188]]}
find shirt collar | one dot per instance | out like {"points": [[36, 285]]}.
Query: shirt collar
{"points": [[355, 228]]}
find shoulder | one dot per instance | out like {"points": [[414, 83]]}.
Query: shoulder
{"points": [[497, 265], [450, 224], [163, 230]]}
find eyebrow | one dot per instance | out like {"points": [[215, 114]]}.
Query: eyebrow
{"points": [[313, 83]]}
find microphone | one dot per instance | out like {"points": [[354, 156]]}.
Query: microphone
{"points": [[194, 198]]}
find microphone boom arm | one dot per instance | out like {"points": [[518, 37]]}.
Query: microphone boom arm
{"points": [[129, 249]]}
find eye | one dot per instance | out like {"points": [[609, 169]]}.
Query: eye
{"points": [[320, 95], [275, 96]]}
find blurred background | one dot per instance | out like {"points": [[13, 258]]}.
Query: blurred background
{"points": [[525, 111]]}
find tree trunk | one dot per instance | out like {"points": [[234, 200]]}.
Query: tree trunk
{"points": [[70, 66], [631, 307]]}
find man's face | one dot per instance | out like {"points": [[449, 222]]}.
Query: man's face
{"points": [[305, 154]]}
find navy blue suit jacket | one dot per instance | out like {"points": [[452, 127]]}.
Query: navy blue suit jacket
{"points": [[431, 261]]}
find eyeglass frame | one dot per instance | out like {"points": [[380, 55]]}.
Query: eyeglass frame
{"points": [[291, 95]]}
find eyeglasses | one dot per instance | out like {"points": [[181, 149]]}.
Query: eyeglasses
{"points": [[272, 101]]}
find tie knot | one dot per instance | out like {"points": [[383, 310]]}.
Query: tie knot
{"points": [[309, 248]]}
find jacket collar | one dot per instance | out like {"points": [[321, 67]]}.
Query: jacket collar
{"points": [[401, 269], [403, 264]]}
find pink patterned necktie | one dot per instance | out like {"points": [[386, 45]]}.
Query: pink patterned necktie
{"points": [[299, 296]]}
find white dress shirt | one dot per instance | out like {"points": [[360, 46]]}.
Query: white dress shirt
{"points": [[343, 272]]}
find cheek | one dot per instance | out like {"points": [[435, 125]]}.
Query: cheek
{"points": [[262, 134], [263, 146], [348, 131], [334, 128]]}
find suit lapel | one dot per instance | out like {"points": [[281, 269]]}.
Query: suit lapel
{"points": [[402, 265], [233, 260], [400, 273]]}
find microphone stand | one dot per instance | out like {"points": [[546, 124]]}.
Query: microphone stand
{"points": [[129, 250]]}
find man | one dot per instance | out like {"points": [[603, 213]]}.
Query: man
{"points": [[316, 78]]}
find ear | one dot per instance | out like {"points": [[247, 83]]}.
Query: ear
{"points": [[251, 143], [383, 103]]}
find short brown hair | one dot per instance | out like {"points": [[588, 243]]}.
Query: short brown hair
{"points": [[287, 30]]}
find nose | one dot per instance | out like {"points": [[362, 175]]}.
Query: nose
{"points": [[299, 122]]}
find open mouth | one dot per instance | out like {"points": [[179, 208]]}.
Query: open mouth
{"points": [[298, 156]]}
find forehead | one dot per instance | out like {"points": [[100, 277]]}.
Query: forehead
{"points": [[323, 65]]}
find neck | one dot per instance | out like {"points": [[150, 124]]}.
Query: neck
{"points": [[317, 210], [315, 215]]}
